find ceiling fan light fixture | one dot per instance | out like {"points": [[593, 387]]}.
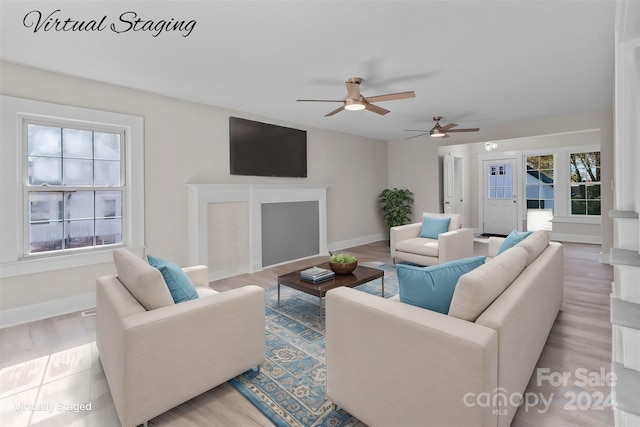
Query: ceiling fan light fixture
{"points": [[352, 105], [436, 133], [488, 146]]}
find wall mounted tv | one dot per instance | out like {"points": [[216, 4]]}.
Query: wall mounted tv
{"points": [[262, 149]]}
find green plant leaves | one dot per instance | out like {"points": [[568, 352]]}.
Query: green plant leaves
{"points": [[396, 206]]}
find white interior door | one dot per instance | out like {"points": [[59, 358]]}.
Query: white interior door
{"points": [[500, 201], [459, 190], [448, 183]]}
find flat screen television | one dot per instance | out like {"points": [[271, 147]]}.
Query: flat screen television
{"points": [[262, 149]]}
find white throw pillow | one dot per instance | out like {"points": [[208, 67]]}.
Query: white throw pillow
{"points": [[477, 289]]}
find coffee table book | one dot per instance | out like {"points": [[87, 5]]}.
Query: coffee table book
{"points": [[316, 274]]}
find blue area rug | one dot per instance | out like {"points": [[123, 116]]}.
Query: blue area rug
{"points": [[290, 388]]}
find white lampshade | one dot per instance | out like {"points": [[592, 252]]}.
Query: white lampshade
{"points": [[352, 105]]}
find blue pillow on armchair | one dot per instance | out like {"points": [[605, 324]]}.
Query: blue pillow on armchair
{"points": [[180, 286], [432, 287], [432, 226]]}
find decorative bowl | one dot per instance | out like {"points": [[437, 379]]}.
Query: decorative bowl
{"points": [[343, 268]]}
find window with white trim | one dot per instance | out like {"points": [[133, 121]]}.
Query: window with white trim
{"points": [[585, 183], [74, 186], [539, 191]]}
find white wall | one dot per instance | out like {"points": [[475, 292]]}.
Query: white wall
{"points": [[186, 142], [415, 163]]}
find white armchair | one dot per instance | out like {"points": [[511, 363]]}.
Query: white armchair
{"points": [[407, 245], [159, 358]]}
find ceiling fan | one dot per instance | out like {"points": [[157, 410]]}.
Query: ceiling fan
{"points": [[439, 131], [355, 101]]}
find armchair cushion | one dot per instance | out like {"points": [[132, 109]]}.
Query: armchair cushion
{"points": [[433, 226], [419, 245], [456, 220], [177, 281], [143, 281], [432, 287]]}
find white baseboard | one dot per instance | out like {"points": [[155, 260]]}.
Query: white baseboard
{"points": [[356, 242], [575, 238], [45, 310]]}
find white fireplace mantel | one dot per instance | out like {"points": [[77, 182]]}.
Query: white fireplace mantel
{"points": [[201, 195]]}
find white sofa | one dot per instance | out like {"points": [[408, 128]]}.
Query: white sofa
{"points": [[407, 245], [159, 358], [390, 363]]}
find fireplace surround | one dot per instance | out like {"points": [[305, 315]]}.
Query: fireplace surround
{"points": [[203, 197]]}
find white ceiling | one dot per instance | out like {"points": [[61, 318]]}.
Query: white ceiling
{"points": [[474, 62]]}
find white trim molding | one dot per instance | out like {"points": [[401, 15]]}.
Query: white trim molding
{"points": [[45, 310], [14, 110], [201, 195]]}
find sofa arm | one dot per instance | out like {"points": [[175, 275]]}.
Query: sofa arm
{"points": [[188, 348], [456, 244], [390, 363], [403, 232], [494, 245], [198, 274]]}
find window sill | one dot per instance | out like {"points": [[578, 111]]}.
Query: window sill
{"points": [[577, 219], [59, 262]]}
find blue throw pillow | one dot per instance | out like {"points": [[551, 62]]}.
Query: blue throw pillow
{"points": [[513, 239], [179, 284], [432, 287], [432, 226]]}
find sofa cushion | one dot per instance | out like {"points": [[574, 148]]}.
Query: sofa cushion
{"points": [[142, 281], [477, 289], [535, 244], [419, 245], [513, 239], [432, 287], [432, 226], [177, 281]]}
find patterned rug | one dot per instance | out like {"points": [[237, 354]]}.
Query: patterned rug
{"points": [[290, 388]]}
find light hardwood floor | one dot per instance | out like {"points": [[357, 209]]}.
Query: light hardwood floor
{"points": [[55, 360]]}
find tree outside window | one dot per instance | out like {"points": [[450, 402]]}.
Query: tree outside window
{"points": [[585, 183], [540, 194]]}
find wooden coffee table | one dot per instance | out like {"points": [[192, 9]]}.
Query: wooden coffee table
{"points": [[359, 276]]}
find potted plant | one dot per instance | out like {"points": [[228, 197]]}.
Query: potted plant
{"points": [[396, 206], [343, 263]]}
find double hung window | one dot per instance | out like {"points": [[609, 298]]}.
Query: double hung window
{"points": [[74, 186], [585, 183]]}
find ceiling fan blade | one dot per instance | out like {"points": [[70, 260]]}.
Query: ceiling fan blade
{"points": [[391, 96], [337, 110], [416, 130], [415, 136], [447, 127], [464, 130], [376, 109], [320, 100], [445, 136]]}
